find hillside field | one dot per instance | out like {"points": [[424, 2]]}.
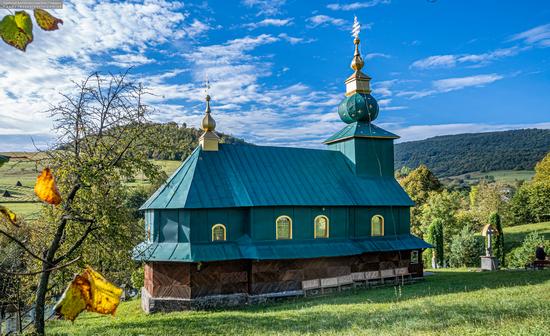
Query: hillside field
{"points": [[25, 170], [450, 302]]}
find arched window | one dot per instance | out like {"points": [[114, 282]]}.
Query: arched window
{"points": [[321, 227], [377, 225], [218, 232], [284, 227]]}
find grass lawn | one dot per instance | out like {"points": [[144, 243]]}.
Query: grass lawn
{"points": [[451, 302], [514, 235]]}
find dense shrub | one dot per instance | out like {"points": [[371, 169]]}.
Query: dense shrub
{"points": [[138, 277], [525, 254], [466, 249]]}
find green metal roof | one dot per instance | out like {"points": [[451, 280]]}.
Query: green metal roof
{"points": [[240, 175], [270, 250], [361, 130]]}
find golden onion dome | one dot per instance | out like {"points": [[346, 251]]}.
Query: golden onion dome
{"points": [[357, 61], [208, 123]]}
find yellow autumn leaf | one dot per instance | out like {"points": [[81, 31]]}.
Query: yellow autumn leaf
{"points": [[88, 291], [75, 299], [8, 214], [46, 189], [105, 297]]}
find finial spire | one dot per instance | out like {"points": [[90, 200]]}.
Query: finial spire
{"points": [[358, 82], [209, 140], [357, 61]]}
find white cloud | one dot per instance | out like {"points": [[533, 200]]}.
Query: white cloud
{"points": [[295, 40], [376, 55], [536, 36], [269, 22], [357, 5], [457, 83], [92, 32], [129, 60], [451, 84], [265, 7], [450, 61], [324, 20]]}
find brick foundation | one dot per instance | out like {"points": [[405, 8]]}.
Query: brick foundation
{"points": [[173, 286]]}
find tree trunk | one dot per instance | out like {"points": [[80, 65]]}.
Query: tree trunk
{"points": [[39, 318]]}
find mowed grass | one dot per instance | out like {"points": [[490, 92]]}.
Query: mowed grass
{"points": [[456, 302]]}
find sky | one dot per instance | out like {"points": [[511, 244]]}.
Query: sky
{"points": [[277, 68]]}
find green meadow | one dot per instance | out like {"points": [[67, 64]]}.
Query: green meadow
{"points": [[450, 302]]}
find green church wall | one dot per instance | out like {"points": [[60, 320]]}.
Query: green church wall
{"points": [[171, 226], [168, 226], [396, 220], [235, 221], [368, 156]]}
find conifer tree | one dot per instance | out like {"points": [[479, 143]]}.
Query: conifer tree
{"points": [[495, 222]]}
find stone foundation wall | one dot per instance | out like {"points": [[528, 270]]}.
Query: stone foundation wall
{"points": [[173, 286]]}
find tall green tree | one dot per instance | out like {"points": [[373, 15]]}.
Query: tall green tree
{"points": [[436, 238], [498, 249], [418, 184]]}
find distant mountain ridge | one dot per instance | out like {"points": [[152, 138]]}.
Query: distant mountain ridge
{"points": [[450, 155]]}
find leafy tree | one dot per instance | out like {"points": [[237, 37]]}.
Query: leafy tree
{"points": [[519, 206], [436, 238], [466, 248], [542, 170], [532, 200], [525, 254], [489, 198], [418, 184], [442, 206], [102, 128], [498, 249]]}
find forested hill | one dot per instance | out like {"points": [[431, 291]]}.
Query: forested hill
{"points": [[179, 141], [450, 155]]}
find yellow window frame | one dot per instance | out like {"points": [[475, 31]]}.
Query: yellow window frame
{"points": [[277, 227], [214, 227], [372, 226], [315, 227]]}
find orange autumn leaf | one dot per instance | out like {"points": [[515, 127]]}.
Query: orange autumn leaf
{"points": [[46, 189], [46, 21]]}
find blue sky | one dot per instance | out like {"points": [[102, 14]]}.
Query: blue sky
{"points": [[277, 67]]}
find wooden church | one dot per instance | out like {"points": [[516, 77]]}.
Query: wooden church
{"points": [[238, 224]]}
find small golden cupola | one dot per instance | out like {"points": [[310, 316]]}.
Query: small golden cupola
{"points": [[209, 140]]}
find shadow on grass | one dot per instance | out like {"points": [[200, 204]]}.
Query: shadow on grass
{"points": [[362, 311]]}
